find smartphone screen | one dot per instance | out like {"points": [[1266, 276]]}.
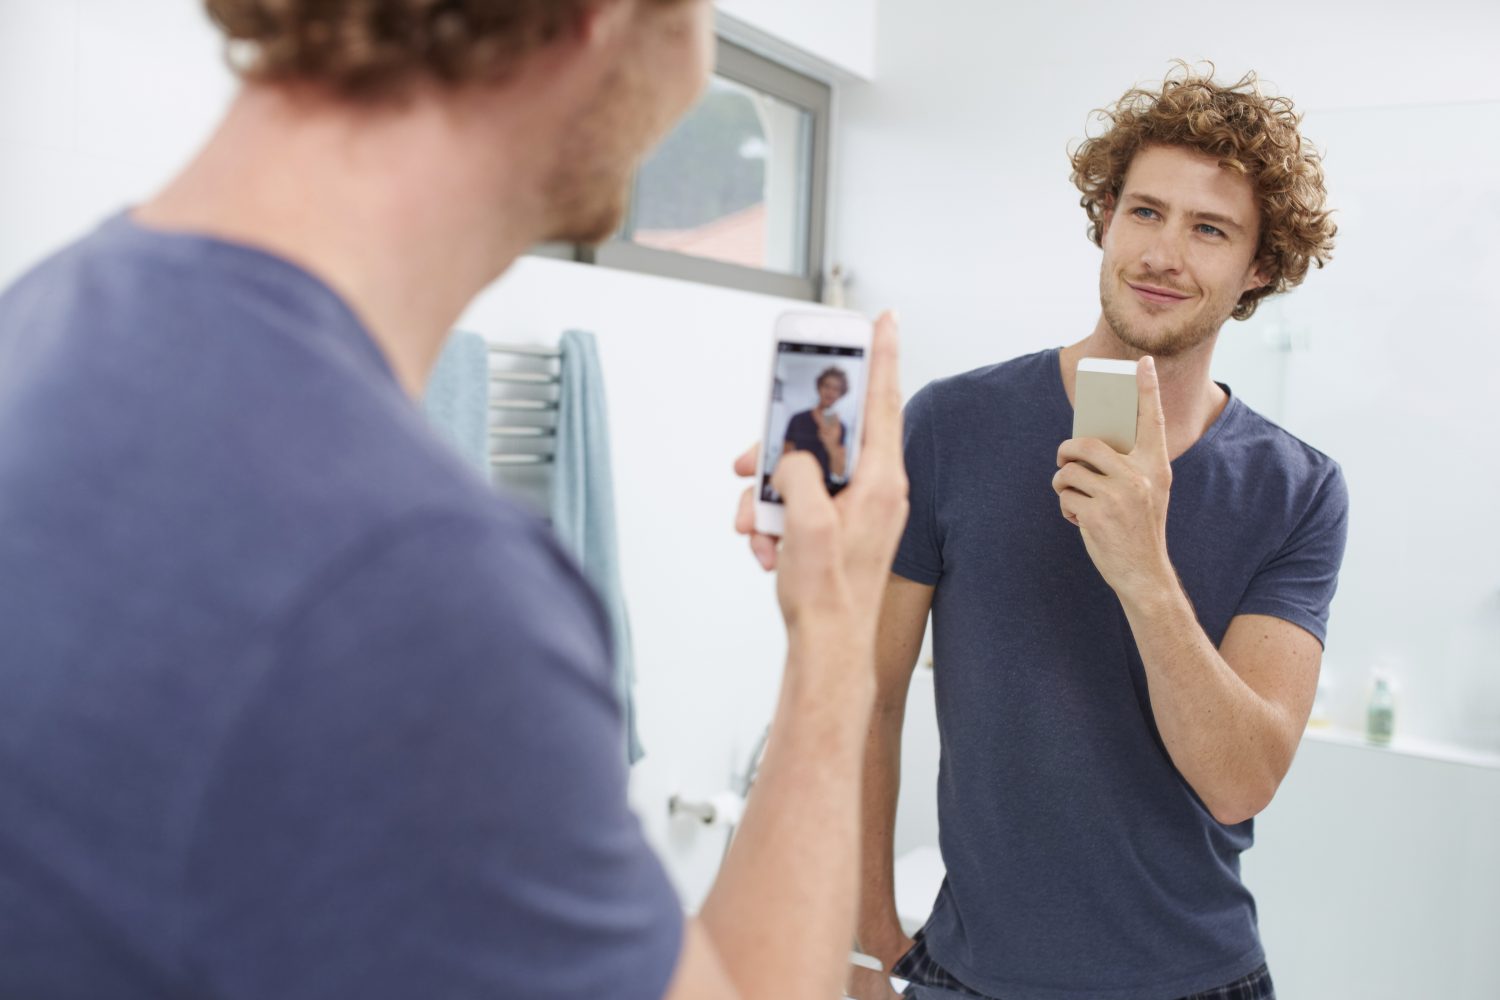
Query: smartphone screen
{"points": [[817, 392]]}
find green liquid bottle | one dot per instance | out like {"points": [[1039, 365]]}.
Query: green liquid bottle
{"points": [[1380, 725]]}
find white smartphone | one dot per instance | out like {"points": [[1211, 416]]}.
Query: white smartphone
{"points": [[1105, 400], [816, 402]]}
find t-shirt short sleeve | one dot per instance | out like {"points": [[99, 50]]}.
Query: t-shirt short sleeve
{"points": [[1298, 581], [919, 556], [427, 796]]}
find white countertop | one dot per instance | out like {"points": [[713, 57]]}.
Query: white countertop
{"points": [[1426, 749]]}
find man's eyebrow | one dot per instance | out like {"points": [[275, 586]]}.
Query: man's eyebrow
{"points": [[1152, 201]]}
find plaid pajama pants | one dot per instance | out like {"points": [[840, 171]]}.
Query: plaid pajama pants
{"points": [[918, 967]]}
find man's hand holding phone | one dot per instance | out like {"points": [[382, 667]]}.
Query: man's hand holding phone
{"points": [[836, 552], [1119, 501]]}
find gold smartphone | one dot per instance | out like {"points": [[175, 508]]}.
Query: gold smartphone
{"points": [[1105, 400]]}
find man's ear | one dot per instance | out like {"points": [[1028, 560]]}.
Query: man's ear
{"points": [[1107, 217], [1260, 276], [598, 23]]}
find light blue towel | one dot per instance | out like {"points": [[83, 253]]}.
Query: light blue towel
{"points": [[457, 400], [583, 504]]}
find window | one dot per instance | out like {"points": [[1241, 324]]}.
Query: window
{"points": [[735, 195], [729, 184]]}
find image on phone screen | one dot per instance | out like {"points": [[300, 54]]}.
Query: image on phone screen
{"points": [[816, 393]]}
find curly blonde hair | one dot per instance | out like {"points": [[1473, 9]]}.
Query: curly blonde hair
{"points": [[1249, 132], [368, 49]]}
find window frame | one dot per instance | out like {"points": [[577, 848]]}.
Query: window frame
{"points": [[813, 96]]}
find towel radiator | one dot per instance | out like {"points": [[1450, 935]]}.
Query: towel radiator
{"points": [[523, 405]]}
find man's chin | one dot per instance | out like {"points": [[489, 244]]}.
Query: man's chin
{"points": [[591, 226], [1157, 343]]}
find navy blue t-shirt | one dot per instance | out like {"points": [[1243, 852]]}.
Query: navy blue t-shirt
{"points": [[802, 431], [291, 704], [1080, 862]]}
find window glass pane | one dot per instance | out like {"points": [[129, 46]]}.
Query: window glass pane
{"points": [[731, 183]]}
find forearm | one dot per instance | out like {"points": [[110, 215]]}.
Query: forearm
{"points": [[795, 854], [1228, 742], [878, 929]]}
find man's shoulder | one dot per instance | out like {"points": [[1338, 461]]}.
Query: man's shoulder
{"points": [[1261, 444], [1277, 478]]}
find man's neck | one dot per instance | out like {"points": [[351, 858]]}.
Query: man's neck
{"points": [[1191, 399], [386, 206]]}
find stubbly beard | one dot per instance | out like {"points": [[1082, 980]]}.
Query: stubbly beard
{"points": [[589, 214], [588, 189], [1165, 341]]}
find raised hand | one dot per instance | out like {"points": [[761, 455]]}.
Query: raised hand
{"points": [[1119, 502]]}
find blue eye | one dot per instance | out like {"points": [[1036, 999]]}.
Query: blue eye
{"points": [[1143, 212], [1210, 230]]}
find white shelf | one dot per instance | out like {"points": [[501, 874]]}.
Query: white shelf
{"points": [[1448, 753]]}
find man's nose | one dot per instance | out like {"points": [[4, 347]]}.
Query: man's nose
{"points": [[1163, 254]]}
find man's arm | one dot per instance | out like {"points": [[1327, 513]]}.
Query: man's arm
{"points": [[903, 620], [1231, 718], [780, 917], [776, 923], [781, 910]]}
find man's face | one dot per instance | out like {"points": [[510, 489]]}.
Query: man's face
{"points": [[663, 67], [1179, 248], [830, 391]]}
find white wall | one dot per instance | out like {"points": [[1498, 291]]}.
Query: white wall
{"points": [[839, 33], [99, 105]]}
